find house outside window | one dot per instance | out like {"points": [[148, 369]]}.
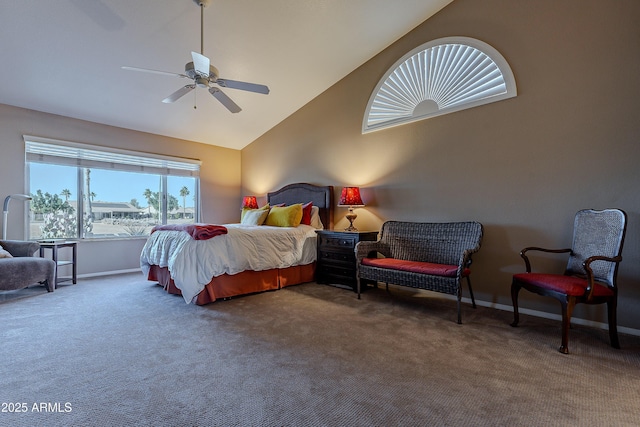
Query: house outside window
{"points": [[87, 192]]}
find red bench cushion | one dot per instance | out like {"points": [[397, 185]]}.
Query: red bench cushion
{"points": [[568, 285], [415, 266]]}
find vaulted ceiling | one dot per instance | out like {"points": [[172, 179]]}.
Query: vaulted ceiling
{"points": [[65, 57]]}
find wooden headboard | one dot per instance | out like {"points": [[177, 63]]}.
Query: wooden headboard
{"points": [[321, 196]]}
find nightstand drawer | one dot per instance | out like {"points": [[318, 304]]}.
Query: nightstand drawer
{"points": [[336, 274], [338, 242], [341, 271], [347, 257]]}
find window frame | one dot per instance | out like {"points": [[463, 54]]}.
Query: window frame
{"points": [[406, 81], [85, 156]]}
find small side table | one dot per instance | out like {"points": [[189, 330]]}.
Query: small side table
{"points": [[54, 246]]}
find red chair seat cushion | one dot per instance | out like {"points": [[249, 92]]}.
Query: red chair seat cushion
{"points": [[568, 285], [415, 266]]}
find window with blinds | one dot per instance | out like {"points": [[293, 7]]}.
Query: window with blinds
{"points": [[86, 191], [439, 77]]}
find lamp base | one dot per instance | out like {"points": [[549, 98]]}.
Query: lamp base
{"points": [[351, 217]]}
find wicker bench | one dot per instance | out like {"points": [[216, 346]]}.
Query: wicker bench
{"points": [[431, 256]]}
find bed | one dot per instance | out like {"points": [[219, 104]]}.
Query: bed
{"points": [[214, 255]]}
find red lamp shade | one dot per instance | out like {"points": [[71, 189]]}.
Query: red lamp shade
{"points": [[350, 197], [250, 202]]}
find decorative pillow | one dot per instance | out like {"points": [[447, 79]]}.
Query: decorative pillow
{"points": [[286, 216], [316, 222], [4, 254], [306, 213], [254, 217], [245, 210]]}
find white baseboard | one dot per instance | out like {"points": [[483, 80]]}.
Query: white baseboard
{"points": [[109, 273], [545, 315]]}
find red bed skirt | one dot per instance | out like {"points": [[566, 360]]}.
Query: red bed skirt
{"points": [[246, 282]]}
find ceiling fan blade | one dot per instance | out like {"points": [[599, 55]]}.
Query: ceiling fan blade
{"points": [[225, 100], [251, 87], [200, 64], [178, 94], [146, 70]]}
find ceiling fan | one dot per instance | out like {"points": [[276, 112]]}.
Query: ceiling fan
{"points": [[205, 75]]}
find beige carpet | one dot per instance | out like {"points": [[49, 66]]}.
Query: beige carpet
{"points": [[119, 351]]}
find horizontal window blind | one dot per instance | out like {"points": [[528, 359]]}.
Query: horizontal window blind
{"points": [[65, 153]]}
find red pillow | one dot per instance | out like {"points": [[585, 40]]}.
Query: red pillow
{"points": [[306, 213]]}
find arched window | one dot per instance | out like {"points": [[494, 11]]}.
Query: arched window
{"points": [[439, 77]]}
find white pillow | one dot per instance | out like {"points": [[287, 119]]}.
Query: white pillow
{"points": [[4, 254], [315, 218], [254, 216]]}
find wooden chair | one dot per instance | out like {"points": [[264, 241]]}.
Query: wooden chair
{"points": [[590, 276]]}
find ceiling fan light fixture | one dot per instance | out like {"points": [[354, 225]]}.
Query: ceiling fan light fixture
{"points": [[202, 82]]}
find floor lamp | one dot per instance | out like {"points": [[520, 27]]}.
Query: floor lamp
{"points": [[5, 210]]}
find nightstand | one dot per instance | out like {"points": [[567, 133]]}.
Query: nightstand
{"points": [[336, 258], [54, 246]]}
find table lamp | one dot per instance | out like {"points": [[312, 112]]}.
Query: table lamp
{"points": [[351, 197], [5, 210]]}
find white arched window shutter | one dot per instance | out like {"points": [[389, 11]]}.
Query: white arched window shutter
{"points": [[439, 77]]}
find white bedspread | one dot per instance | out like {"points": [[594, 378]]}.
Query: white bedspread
{"points": [[193, 263]]}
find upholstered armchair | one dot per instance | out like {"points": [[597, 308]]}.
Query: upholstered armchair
{"points": [[591, 273], [20, 268]]}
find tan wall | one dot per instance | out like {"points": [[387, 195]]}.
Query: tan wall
{"points": [[219, 176], [522, 167]]}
